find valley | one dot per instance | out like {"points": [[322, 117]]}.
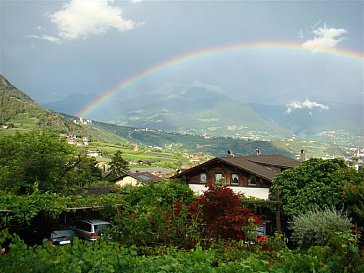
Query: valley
{"points": [[151, 145]]}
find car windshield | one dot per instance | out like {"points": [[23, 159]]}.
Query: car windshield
{"points": [[99, 228], [62, 233]]}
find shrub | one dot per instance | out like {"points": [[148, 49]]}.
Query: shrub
{"points": [[156, 225], [108, 256], [273, 243], [157, 214], [298, 262], [222, 214], [344, 253], [317, 226]]}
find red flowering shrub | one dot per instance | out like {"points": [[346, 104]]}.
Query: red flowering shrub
{"points": [[222, 214]]}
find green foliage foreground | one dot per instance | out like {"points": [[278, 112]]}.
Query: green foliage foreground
{"points": [[161, 247], [106, 256]]}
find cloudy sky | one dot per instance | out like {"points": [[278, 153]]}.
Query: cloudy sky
{"points": [[307, 54]]}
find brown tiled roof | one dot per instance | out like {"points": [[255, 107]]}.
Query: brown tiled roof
{"points": [[275, 160], [258, 165], [251, 167], [145, 177]]}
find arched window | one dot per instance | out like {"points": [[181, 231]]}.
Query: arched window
{"points": [[235, 179]]}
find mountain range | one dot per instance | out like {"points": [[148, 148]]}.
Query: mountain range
{"points": [[203, 109], [18, 112]]}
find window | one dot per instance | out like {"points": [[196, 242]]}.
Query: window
{"points": [[203, 177], [83, 225], [99, 228], [252, 180], [234, 178], [218, 177]]}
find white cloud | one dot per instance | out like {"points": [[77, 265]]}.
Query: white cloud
{"points": [[136, 1], [46, 38], [305, 104], [325, 39], [84, 18]]}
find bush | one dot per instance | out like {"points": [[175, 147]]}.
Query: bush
{"points": [[157, 214], [344, 253], [107, 256], [222, 214], [156, 225], [298, 262], [317, 226]]}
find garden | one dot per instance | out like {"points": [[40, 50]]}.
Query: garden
{"points": [[164, 228]]}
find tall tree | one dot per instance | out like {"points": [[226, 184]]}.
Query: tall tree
{"points": [[315, 183], [37, 156], [118, 166], [83, 172]]}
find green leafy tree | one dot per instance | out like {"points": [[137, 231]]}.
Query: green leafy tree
{"points": [[317, 182], [83, 172], [118, 166], [35, 157], [354, 198]]}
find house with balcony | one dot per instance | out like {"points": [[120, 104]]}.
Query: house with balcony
{"points": [[249, 175]]}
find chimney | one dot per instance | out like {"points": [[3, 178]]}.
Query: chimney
{"points": [[257, 152], [230, 153], [302, 156]]}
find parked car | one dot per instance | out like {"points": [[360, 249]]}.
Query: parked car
{"points": [[62, 236], [90, 229]]}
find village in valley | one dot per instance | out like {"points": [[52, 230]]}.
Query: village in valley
{"points": [[349, 152]]}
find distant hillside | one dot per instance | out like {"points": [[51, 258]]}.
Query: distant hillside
{"points": [[195, 108], [18, 111], [216, 146]]}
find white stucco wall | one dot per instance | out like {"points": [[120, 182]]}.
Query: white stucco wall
{"points": [[261, 193], [127, 180]]}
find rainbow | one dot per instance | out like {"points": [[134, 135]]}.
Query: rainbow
{"points": [[190, 56]]}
